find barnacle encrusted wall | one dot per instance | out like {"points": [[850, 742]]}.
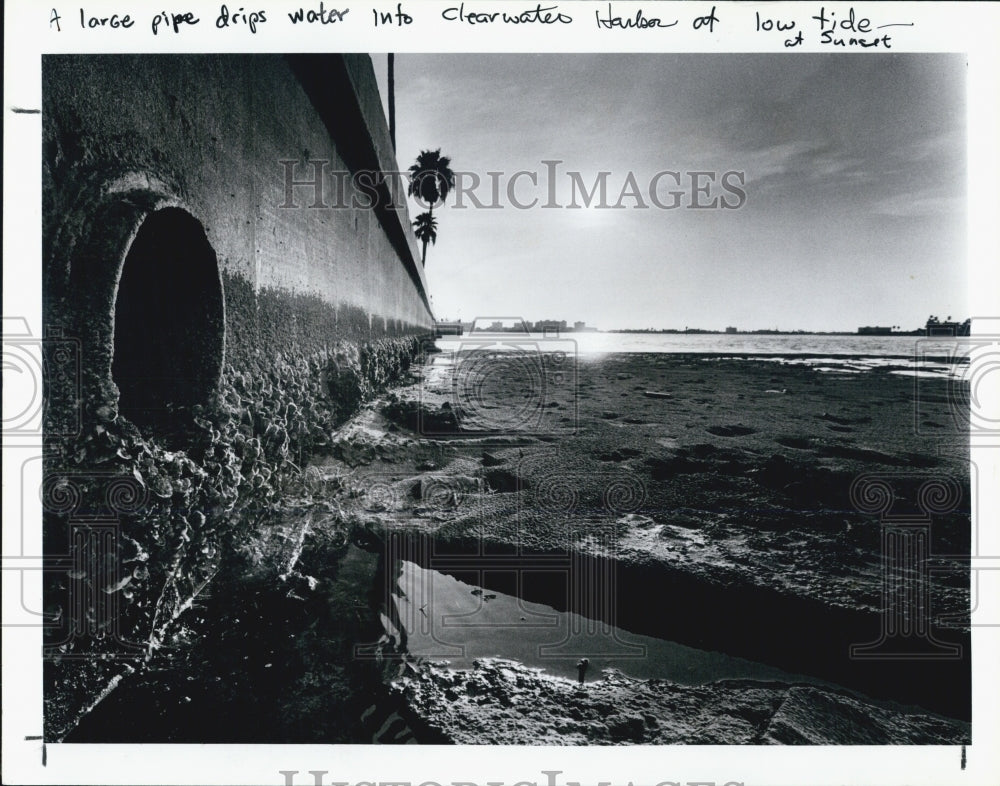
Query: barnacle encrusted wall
{"points": [[222, 329]]}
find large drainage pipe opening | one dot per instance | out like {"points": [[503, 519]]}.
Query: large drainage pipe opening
{"points": [[169, 326]]}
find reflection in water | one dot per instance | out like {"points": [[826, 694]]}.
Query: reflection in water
{"points": [[273, 663], [448, 619]]}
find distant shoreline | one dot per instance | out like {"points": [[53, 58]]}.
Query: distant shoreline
{"points": [[676, 332], [786, 356]]}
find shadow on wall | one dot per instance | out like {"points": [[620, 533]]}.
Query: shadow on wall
{"points": [[169, 328]]}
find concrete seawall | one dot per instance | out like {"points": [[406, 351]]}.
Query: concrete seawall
{"points": [[205, 137], [226, 314]]}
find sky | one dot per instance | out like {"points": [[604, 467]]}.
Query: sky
{"points": [[853, 176]]}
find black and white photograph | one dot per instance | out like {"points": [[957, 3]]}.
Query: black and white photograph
{"points": [[590, 400]]}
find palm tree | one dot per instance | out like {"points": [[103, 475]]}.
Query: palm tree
{"points": [[431, 179], [425, 228]]}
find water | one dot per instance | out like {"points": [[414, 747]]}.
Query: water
{"points": [[450, 620], [911, 355], [729, 343]]}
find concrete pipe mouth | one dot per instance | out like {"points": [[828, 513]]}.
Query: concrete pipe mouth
{"points": [[169, 327]]}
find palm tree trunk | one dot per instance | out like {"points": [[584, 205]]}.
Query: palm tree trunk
{"points": [[430, 220]]}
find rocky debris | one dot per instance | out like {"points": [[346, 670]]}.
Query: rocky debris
{"points": [[734, 430], [437, 488], [492, 460], [423, 418], [266, 662], [354, 453], [620, 454], [815, 717], [503, 702], [629, 727], [504, 481], [630, 520], [208, 483]]}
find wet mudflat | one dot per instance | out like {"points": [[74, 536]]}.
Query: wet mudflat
{"points": [[677, 520], [728, 505]]}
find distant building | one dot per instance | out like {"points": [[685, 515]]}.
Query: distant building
{"points": [[874, 330], [549, 326], [937, 327], [731, 330], [445, 328], [579, 326]]}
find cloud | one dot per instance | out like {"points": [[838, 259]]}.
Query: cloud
{"points": [[922, 204], [834, 148]]}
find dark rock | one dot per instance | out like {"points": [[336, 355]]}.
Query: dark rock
{"points": [[810, 716], [503, 481], [736, 430], [597, 731], [667, 465], [626, 727], [447, 489], [619, 454], [622, 710]]}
